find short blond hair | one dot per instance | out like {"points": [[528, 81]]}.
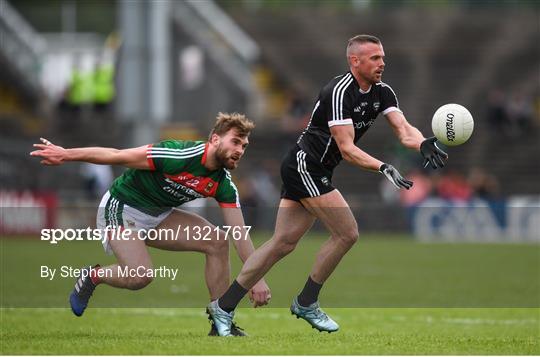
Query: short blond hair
{"points": [[228, 121]]}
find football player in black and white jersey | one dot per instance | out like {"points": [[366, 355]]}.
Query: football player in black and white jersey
{"points": [[345, 109]]}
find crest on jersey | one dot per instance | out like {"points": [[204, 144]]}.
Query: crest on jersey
{"points": [[376, 105], [208, 187], [325, 181]]}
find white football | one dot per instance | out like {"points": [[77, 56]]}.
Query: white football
{"points": [[452, 124]]}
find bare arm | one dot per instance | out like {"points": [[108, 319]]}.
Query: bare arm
{"points": [[344, 137], [56, 155], [412, 138], [407, 134], [260, 292], [233, 217]]}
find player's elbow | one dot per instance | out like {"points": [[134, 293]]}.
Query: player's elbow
{"points": [[121, 157], [347, 152]]}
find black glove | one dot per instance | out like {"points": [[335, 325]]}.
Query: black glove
{"points": [[394, 176], [432, 154]]}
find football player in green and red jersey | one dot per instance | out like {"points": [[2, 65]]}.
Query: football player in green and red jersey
{"points": [[159, 178]]}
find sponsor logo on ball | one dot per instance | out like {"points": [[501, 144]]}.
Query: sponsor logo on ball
{"points": [[450, 133]]}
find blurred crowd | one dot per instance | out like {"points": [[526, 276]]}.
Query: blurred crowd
{"points": [[511, 114], [452, 186]]}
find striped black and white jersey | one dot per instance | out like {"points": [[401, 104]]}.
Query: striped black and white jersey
{"points": [[342, 102]]}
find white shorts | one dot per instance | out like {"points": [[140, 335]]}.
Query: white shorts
{"points": [[116, 214]]}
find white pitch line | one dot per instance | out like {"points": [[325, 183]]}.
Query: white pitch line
{"points": [[466, 320], [196, 312], [480, 321]]}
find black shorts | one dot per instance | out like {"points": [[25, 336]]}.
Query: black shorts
{"points": [[302, 176]]}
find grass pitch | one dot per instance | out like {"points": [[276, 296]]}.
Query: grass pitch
{"points": [[166, 331], [389, 295]]}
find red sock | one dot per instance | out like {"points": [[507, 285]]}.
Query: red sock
{"points": [[94, 276]]}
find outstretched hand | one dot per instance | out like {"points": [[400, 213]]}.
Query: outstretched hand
{"points": [[432, 154], [51, 154], [395, 177]]}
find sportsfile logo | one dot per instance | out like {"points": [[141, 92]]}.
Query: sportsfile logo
{"points": [[450, 133], [204, 233]]}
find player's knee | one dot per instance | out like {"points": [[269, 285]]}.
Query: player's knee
{"points": [[349, 236], [139, 282], [282, 246], [218, 246]]}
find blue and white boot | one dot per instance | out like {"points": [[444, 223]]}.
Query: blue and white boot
{"points": [[314, 315], [222, 319]]}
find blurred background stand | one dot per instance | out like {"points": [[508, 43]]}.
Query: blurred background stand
{"points": [[122, 73]]}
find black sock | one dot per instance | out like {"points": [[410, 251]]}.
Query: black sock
{"points": [[310, 294], [230, 300]]}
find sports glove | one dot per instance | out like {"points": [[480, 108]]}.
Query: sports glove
{"points": [[432, 154], [395, 177]]}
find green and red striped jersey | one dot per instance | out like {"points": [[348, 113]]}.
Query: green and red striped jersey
{"points": [[177, 175]]}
